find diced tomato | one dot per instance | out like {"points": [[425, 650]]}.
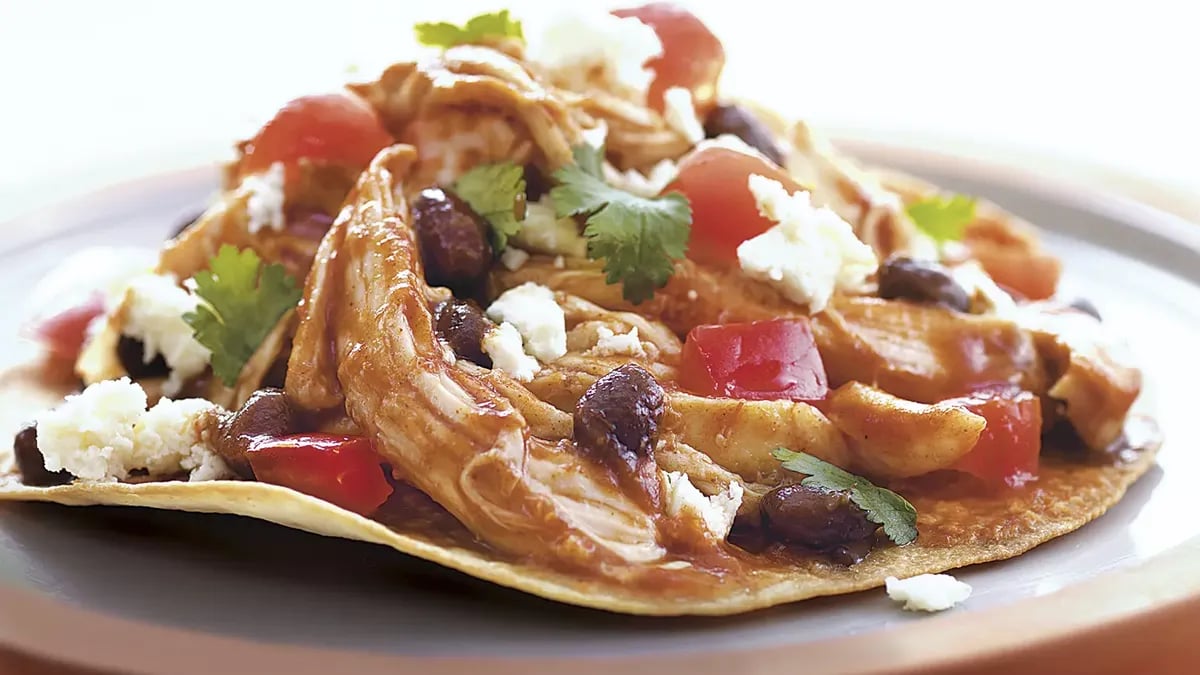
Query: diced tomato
{"points": [[761, 360], [343, 470], [63, 333], [1007, 450], [724, 214], [692, 56], [325, 128]]}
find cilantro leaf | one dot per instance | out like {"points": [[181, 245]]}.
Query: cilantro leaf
{"points": [[241, 303], [496, 192], [490, 25], [639, 238], [590, 159], [897, 516], [943, 218]]}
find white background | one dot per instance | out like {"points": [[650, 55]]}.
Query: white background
{"points": [[1104, 93]]}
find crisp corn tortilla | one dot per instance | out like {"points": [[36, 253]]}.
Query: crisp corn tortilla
{"points": [[954, 531]]}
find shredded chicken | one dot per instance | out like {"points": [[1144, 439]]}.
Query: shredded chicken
{"points": [[366, 341], [1092, 374], [890, 437], [740, 435], [921, 352], [472, 105]]}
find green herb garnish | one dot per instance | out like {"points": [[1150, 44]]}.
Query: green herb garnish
{"points": [[943, 218], [639, 238], [496, 192], [477, 29], [241, 303]]}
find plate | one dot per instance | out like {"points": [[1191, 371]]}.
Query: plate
{"points": [[204, 592]]}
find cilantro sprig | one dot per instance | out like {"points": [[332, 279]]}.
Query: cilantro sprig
{"points": [[477, 29], [241, 301], [943, 218], [639, 238], [897, 516], [496, 192]]}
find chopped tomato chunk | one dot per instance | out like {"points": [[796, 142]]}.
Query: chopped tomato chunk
{"points": [[63, 333], [1007, 450], [692, 56], [761, 360], [724, 214], [343, 470], [326, 128]]}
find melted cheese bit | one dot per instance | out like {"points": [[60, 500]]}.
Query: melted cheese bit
{"points": [[809, 253], [105, 432], [609, 343], [264, 205], [715, 513], [503, 344], [986, 296], [928, 592], [154, 312], [513, 258], [544, 232], [532, 310], [679, 112], [643, 185]]}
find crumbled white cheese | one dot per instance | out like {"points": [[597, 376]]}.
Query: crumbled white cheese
{"points": [[643, 185], [544, 232], [503, 344], [575, 44], [609, 343], [679, 112], [597, 135], [559, 262], [928, 592], [264, 205], [513, 258], [986, 296], [105, 432], [715, 513], [532, 310], [692, 295], [154, 315], [810, 251]]}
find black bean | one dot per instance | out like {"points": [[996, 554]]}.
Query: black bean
{"points": [[267, 413], [921, 281], [736, 120], [32, 464], [814, 518], [1084, 305], [131, 352], [616, 422], [462, 325], [453, 240]]}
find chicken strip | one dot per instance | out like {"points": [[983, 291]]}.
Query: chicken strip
{"points": [[366, 341]]}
